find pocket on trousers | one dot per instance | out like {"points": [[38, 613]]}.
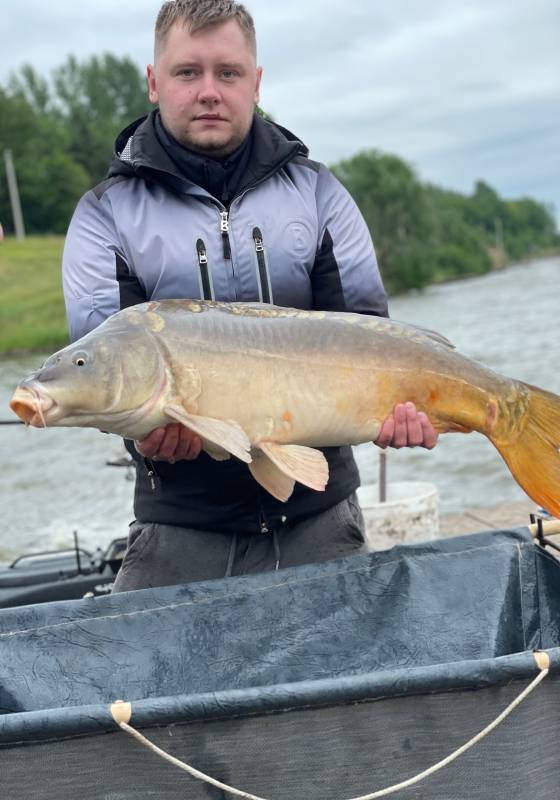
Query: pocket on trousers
{"points": [[351, 519], [139, 537]]}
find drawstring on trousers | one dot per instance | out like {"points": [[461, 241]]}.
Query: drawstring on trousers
{"points": [[276, 544], [231, 556], [233, 549]]}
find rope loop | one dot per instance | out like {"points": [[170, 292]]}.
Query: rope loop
{"points": [[122, 712]]}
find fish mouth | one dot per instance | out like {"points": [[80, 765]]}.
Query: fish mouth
{"points": [[32, 405]]}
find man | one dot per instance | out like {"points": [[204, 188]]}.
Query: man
{"points": [[206, 199]]}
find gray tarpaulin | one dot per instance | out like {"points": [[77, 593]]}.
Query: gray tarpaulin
{"points": [[323, 682]]}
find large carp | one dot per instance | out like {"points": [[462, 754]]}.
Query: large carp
{"points": [[270, 384]]}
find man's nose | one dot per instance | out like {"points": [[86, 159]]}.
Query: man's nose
{"points": [[209, 91]]}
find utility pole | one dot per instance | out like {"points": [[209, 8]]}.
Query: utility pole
{"points": [[14, 195]]}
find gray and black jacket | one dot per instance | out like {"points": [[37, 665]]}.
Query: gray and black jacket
{"points": [[291, 235]]}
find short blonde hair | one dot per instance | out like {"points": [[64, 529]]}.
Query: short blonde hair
{"points": [[199, 14]]}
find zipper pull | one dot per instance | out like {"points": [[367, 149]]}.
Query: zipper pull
{"points": [[152, 473], [224, 228], [201, 252], [206, 288], [263, 276]]}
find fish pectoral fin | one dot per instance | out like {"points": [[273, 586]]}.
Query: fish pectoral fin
{"points": [[303, 464], [226, 434], [276, 482]]}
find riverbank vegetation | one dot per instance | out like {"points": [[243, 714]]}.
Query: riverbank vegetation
{"points": [[425, 234], [32, 308], [60, 133]]}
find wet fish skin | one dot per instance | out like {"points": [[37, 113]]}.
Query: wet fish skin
{"points": [[270, 385]]}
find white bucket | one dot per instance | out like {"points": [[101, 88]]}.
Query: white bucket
{"points": [[410, 513]]}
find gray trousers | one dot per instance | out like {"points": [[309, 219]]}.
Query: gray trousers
{"points": [[163, 555]]}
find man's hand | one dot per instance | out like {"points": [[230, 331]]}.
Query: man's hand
{"points": [[172, 443], [407, 427]]}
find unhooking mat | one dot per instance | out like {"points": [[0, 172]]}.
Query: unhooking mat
{"points": [[324, 682]]}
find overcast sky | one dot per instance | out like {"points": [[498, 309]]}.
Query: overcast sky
{"points": [[460, 90]]}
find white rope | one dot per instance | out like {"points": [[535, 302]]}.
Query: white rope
{"points": [[467, 746], [186, 767], [381, 792]]}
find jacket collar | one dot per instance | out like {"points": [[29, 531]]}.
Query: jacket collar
{"points": [[138, 152]]}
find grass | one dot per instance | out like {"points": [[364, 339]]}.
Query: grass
{"points": [[32, 315]]}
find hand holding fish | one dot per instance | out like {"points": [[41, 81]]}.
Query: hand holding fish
{"points": [[171, 443], [407, 427]]}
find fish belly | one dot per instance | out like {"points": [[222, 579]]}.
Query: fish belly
{"points": [[290, 401]]}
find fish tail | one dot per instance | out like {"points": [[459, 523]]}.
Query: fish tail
{"points": [[534, 457]]}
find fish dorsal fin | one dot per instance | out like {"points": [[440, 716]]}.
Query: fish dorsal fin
{"points": [[265, 472], [303, 464], [226, 434], [433, 335], [437, 337]]}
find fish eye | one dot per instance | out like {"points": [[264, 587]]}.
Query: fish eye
{"points": [[80, 359]]}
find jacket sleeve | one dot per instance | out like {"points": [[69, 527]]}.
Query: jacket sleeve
{"points": [[94, 267], [345, 275]]}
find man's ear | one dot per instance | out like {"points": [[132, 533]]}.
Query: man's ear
{"points": [[152, 90], [258, 86]]}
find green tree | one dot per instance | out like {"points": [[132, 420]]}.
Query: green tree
{"points": [[49, 180], [396, 209], [528, 225], [96, 99], [458, 248], [484, 208], [520, 227], [31, 87]]}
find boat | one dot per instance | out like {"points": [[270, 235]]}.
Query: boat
{"points": [[42, 577], [430, 670]]}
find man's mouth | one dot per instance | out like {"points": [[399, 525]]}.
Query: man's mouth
{"points": [[210, 118], [31, 406]]}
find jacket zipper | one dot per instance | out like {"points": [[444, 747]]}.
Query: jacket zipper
{"points": [[224, 215], [263, 276], [224, 228], [207, 290]]}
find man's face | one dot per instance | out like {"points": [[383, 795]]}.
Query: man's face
{"points": [[206, 85]]}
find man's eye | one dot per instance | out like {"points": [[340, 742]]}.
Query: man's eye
{"points": [[228, 74], [187, 73]]}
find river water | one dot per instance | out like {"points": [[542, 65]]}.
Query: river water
{"points": [[54, 482]]}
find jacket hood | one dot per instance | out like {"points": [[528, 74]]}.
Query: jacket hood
{"points": [[138, 152]]}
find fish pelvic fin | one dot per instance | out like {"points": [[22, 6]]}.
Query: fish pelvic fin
{"points": [[226, 434], [215, 452], [303, 464], [276, 482], [534, 458]]}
